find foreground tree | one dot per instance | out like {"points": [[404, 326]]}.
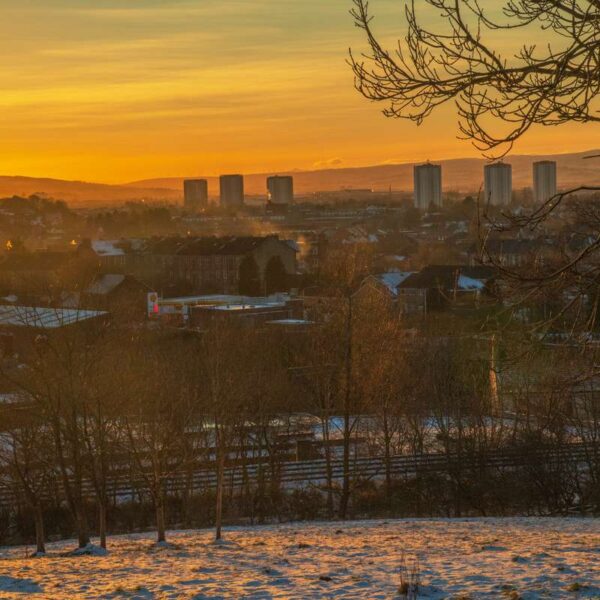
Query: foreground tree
{"points": [[24, 459], [452, 59], [58, 380], [225, 359], [342, 275], [158, 410]]}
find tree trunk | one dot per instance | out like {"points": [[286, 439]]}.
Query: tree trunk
{"points": [[161, 534], [40, 536], [329, 470], [388, 460], [83, 536], [102, 523], [220, 482], [345, 497], [188, 495], [74, 500]]}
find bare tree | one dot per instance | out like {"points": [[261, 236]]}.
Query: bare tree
{"points": [[225, 368], [452, 59], [58, 378], [344, 271], [24, 456], [157, 410], [383, 378], [319, 376], [267, 406]]}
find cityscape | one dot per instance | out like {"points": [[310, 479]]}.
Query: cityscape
{"points": [[245, 354]]}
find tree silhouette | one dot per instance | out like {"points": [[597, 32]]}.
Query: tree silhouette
{"points": [[249, 282], [497, 97], [276, 277]]}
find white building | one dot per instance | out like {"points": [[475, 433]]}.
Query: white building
{"points": [[428, 186], [497, 184], [544, 180], [281, 189], [232, 190]]}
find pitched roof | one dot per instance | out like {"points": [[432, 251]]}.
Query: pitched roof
{"points": [[105, 284], [166, 246], [186, 246], [231, 246], [107, 248], [448, 277], [392, 279]]}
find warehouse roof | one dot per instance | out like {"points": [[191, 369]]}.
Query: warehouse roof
{"points": [[44, 318]]}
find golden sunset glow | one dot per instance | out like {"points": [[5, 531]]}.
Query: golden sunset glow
{"points": [[119, 90]]}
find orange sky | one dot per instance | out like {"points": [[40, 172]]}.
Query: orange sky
{"points": [[119, 90]]}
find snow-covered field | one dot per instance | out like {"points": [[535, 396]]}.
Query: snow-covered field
{"points": [[467, 558]]}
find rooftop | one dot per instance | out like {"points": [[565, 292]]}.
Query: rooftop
{"points": [[105, 284], [44, 318], [450, 276]]}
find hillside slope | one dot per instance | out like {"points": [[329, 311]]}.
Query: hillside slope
{"points": [[463, 174]]}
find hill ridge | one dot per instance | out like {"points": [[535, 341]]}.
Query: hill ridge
{"points": [[459, 174]]}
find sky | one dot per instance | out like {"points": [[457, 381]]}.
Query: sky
{"points": [[122, 90]]}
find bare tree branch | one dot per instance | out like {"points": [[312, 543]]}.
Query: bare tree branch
{"points": [[497, 98]]}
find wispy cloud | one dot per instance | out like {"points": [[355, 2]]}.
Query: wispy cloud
{"points": [[328, 163]]}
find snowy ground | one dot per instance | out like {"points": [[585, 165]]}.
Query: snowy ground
{"points": [[466, 559]]}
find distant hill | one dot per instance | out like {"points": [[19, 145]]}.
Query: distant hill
{"points": [[81, 192], [462, 175]]}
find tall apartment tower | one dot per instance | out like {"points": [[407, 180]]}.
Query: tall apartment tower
{"points": [[281, 189], [544, 180], [232, 190], [428, 185], [195, 194], [497, 184]]}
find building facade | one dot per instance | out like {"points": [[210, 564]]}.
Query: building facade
{"points": [[427, 186], [232, 191], [280, 189], [497, 184], [195, 194], [252, 266], [544, 181]]}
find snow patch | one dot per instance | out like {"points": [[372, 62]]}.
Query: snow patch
{"points": [[482, 559]]}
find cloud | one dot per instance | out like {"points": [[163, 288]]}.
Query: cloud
{"points": [[328, 163], [132, 89]]}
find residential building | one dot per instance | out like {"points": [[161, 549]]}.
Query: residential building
{"points": [[280, 189], [427, 186], [497, 184], [544, 181], [232, 191], [195, 194], [436, 286], [252, 266]]}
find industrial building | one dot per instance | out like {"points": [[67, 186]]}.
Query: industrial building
{"points": [[24, 327], [232, 191], [251, 314], [428, 186], [195, 194], [498, 184], [252, 266], [544, 180], [280, 189]]}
